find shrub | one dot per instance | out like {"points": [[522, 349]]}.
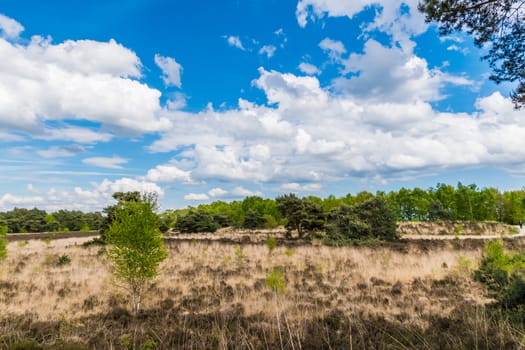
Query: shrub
{"points": [[275, 280], [503, 274], [254, 219], [63, 260], [196, 221], [271, 243], [372, 218]]}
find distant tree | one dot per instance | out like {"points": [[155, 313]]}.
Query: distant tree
{"points": [[94, 220], [253, 220], [500, 23], [136, 247], [52, 223], [196, 221], [302, 215]]}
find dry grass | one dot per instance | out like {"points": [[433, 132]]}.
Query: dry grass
{"points": [[315, 276], [410, 288]]}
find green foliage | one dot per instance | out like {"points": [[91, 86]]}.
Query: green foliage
{"points": [[63, 260], [289, 252], [503, 275], [253, 220], [271, 243], [137, 246], [498, 23], [3, 246], [302, 215], [275, 280], [196, 221], [372, 218], [95, 241]]}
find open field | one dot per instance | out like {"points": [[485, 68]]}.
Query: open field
{"points": [[216, 295]]}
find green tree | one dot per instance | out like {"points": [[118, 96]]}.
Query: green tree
{"points": [[136, 247], [302, 215], [52, 223], [196, 221], [373, 218], [499, 23]]}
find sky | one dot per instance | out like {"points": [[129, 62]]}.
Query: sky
{"points": [[218, 100]]}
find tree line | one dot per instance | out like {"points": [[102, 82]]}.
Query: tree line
{"points": [[443, 202], [37, 220], [311, 213]]}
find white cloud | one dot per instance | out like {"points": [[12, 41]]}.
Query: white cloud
{"points": [[107, 187], [217, 192], [400, 19], [106, 162], [75, 134], [83, 80], [462, 50], [309, 68], [391, 74], [296, 187], [235, 41], [10, 28], [8, 201], [268, 50], [334, 48], [196, 197], [171, 70], [61, 151], [243, 192], [98, 196], [168, 173], [310, 135]]}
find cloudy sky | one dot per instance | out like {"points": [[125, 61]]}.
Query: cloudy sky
{"points": [[209, 100]]}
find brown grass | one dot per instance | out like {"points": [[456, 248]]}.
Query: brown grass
{"points": [[215, 283]]}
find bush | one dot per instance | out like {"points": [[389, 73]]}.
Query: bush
{"points": [[63, 260], [502, 273], [196, 221], [253, 220], [372, 218]]}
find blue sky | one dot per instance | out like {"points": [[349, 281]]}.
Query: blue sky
{"points": [[217, 100]]}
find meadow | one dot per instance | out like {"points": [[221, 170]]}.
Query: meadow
{"points": [[216, 295]]}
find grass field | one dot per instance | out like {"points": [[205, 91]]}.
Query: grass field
{"points": [[58, 294]]}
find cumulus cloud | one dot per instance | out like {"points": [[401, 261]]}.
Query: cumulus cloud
{"points": [[400, 19], [243, 192], [296, 187], [308, 68], [307, 135], [9, 28], [196, 197], [168, 173], [268, 50], [171, 70], [41, 82], [235, 41], [217, 192], [106, 162], [94, 198], [391, 74], [334, 48]]}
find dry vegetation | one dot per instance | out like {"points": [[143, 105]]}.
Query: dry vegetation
{"points": [[216, 295]]}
